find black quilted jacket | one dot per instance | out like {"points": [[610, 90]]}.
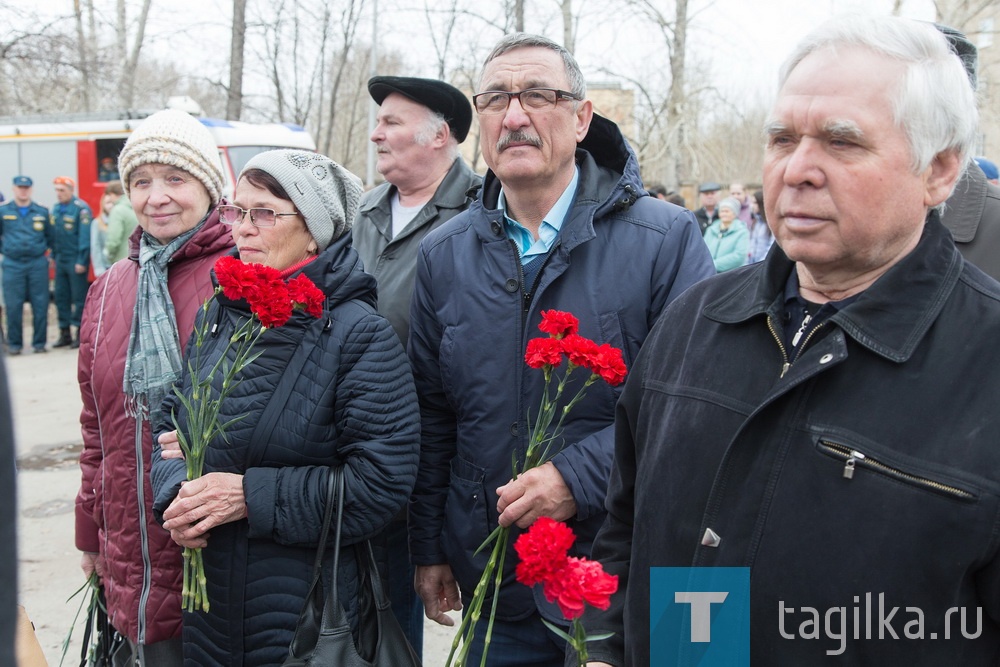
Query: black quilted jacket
{"points": [[351, 403]]}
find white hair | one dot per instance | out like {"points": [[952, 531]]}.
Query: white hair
{"points": [[933, 104], [434, 123]]}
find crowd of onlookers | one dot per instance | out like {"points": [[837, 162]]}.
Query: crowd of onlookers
{"points": [[734, 227]]}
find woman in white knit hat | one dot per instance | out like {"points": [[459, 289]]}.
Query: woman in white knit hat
{"points": [[137, 318], [324, 392]]}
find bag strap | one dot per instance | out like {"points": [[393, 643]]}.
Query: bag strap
{"points": [[282, 392], [333, 598]]}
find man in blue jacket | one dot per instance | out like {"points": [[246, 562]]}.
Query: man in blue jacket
{"points": [[563, 223], [826, 423], [71, 247], [24, 240]]}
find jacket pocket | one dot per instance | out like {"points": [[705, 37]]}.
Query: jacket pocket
{"points": [[856, 459], [466, 522]]}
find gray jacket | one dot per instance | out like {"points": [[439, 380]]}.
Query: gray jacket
{"points": [[393, 261], [972, 215]]}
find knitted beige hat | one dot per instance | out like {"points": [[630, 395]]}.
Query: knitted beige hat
{"points": [[326, 194], [175, 138]]}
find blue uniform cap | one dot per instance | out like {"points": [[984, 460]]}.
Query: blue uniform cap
{"points": [[988, 167], [23, 181]]}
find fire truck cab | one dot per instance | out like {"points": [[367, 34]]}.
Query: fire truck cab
{"points": [[44, 147]]}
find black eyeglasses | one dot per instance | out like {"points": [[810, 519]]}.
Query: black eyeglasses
{"points": [[259, 217], [532, 99]]}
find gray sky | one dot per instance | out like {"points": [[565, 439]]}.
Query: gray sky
{"points": [[740, 42]]}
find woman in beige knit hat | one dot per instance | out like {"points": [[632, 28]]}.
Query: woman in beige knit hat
{"points": [[333, 391], [137, 318]]}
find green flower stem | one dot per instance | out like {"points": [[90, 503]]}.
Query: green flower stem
{"points": [[204, 425]]}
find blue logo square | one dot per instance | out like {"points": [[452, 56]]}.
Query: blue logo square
{"points": [[699, 616]]}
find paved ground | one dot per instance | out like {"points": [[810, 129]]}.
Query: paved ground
{"points": [[46, 402]]}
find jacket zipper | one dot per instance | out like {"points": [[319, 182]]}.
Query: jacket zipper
{"points": [[852, 458], [795, 339], [143, 536]]}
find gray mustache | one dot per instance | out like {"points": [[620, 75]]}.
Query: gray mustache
{"points": [[518, 137]]}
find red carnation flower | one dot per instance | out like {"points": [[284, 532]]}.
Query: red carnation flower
{"points": [[580, 582], [542, 550], [608, 363], [579, 350], [558, 324], [304, 293], [237, 280], [544, 352]]}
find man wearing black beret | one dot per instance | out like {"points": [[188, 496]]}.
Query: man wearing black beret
{"points": [[421, 122]]}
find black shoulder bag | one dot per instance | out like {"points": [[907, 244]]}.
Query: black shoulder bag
{"points": [[323, 634]]}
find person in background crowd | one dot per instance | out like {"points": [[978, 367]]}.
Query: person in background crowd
{"points": [[738, 191], [760, 234], [972, 213], [98, 235], [727, 238], [421, 123], [70, 221], [257, 511], [122, 221], [708, 195], [833, 405], [135, 326], [561, 199], [658, 190], [25, 238], [989, 169], [677, 199], [108, 171]]}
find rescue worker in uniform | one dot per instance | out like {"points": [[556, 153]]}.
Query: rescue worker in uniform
{"points": [[24, 239], [71, 248]]}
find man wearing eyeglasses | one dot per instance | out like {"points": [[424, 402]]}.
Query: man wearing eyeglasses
{"points": [[563, 223]]}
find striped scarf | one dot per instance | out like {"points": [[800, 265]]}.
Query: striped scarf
{"points": [[153, 360]]}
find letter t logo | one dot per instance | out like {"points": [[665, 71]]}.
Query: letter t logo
{"points": [[701, 611]]}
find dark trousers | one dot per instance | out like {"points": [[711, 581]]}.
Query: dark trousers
{"points": [[71, 292], [26, 280], [407, 606], [524, 643]]}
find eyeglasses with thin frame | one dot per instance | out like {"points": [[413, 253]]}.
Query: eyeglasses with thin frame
{"points": [[491, 102], [259, 217]]}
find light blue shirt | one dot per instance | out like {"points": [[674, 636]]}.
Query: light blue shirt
{"points": [[547, 231]]}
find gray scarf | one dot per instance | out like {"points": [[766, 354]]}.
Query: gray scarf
{"points": [[153, 360]]}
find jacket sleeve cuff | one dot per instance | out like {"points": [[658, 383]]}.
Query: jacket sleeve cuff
{"points": [[259, 486], [87, 534]]}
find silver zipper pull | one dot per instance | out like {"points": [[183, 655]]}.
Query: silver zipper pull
{"points": [[798, 334], [851, 462]]}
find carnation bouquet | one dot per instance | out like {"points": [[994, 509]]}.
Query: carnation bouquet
{"points": [[272, 302], [570, 582], [547, 354]]}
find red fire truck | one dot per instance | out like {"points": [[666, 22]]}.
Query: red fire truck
{"points": [[44, 147]]}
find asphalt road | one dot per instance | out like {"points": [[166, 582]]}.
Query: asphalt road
{"points": [[46, 401]]}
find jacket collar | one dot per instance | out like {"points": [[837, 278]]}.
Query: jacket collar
{"points": [[890, 318], [451, 193], [964, 208]]}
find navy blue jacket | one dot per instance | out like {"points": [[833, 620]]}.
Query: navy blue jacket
{"points": [[620, 258], [24, 237], [352, 404], [71, 232]]}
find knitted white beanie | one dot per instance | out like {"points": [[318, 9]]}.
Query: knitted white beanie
{"points": [[178, 139], [326, 194]]}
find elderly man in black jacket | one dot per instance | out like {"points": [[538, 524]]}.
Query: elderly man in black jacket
{"points": [[827, 420]]}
